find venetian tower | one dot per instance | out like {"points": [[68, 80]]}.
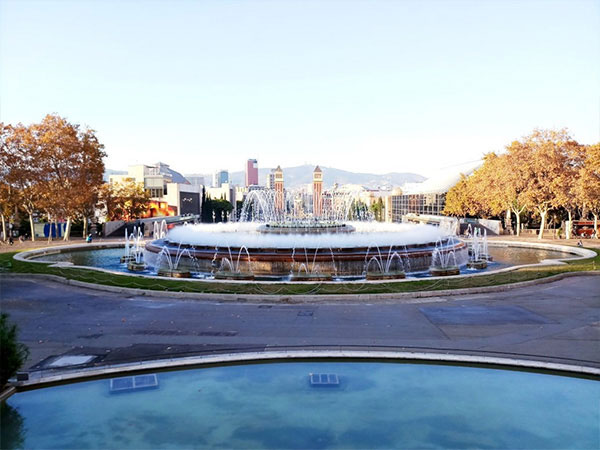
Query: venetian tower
{"points": [[317, 192], [279, 194]]}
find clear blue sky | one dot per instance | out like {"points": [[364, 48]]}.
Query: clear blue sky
{"points": [[374, 86]]}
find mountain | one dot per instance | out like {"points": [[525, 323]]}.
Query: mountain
{"points": [[302, 175], [297, 176]]}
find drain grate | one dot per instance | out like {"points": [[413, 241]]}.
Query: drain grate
{"points": [[323, 379], [217, 333], [305, 313], [186, 333], [135, 383]]}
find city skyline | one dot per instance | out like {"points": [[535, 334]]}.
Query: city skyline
{"points": [[364, 86]]}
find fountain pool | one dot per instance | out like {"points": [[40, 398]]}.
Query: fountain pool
{"points": [[304, 249], [273, 405]]}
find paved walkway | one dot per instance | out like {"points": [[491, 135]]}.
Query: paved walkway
{"points": [[555, 322]]}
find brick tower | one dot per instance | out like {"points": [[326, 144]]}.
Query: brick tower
{"points": [[279, 195], [317, 192]]}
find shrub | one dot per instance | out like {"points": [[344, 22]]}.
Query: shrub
{"points": [[12, 353]]}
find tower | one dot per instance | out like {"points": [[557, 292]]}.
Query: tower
{"points": [[279, 195], [317, 192], [251, 172]]}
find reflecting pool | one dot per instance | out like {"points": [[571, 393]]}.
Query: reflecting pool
{"points": [[109, 258], [375, 405]]}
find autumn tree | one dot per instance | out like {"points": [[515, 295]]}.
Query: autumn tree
{"points": [[22, 175], [71, 160], [459, 199], [587, 185], [566, 182], [124, 201], [479, 194], [543, 157]]}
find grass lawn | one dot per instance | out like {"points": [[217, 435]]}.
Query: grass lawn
{"points": [[8, 264]]}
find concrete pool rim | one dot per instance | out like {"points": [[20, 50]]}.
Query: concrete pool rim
{"points": [[578, 253], [39, 381]]}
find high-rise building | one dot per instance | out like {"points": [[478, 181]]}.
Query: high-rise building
{"points": [[279, 194], [251, 172], [271, 179], [317, 192], [220, 177]]}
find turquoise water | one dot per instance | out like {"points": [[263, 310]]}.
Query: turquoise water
{"points": [[109, 258], [377, 405]]}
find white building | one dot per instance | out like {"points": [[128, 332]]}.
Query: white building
{"points": [[171, 193]]}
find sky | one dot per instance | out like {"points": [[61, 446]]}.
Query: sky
{"points": [[367, 86]]}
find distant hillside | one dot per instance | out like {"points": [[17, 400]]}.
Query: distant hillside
{"points": [[301, 175], [297, 176]]}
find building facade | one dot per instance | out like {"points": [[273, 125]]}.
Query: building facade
{"points": [[171, 194], [317, 192], [279, 192], [420, 204], [220, 178], [251, 172], [271, 179]]}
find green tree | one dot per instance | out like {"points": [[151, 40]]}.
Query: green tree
{"points": [[378, 210], [13, 354]]}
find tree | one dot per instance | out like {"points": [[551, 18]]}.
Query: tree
{"points": [[513, 182], [479, 194], [22, 172], [587, 185], [565, 184], [378, 210], [71, 159], [544, 157], [458, 199], [14, 354], [124, 201]]}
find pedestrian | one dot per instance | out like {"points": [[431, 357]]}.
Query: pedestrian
{"points": [[89, 238], [579, 243]]}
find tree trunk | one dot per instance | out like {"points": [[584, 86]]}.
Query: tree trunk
{"points": [[49, 228], [3, 228], [67, 230], [508, 222], [85, 227], [569, 225], [518, 217], [543, 224], [596, 225], [32, 227]]}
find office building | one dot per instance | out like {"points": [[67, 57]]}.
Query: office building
{"points": [[251, 173]]}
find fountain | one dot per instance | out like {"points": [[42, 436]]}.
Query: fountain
{"points": [[230, 269], [134, 250], [392, 267], [478, 250], [285, 240], [160, 229], [445, 260], [171, 268], [307, 268]]}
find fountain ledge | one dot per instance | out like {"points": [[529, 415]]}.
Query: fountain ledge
{"points": [[38, 380]]}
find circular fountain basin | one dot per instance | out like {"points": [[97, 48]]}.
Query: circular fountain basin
{"points": [[362, 249], [310, 404]]}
